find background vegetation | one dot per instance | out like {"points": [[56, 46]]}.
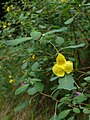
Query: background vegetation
{"points": [[32, 33]]}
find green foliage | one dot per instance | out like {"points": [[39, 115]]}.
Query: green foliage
{"points": [[66, 82], [76, 110], [16, 41], [71, 118], [87, 79], [32, 91], [63, 114], [69, 21], [21, 89], [23, 105], [35, 35], [32, 34], [81, 98]]}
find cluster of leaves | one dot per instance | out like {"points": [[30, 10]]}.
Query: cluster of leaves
{"points": [[36, 33]]}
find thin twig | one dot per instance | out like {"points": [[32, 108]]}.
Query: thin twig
{"points": [[85, 68], [49, 96]]}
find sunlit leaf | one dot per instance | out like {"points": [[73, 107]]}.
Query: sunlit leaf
{"points": [[56, 31], [17, 41], [87, 79], [76, 110], [54, 78], [74, 46], [63, 114], [67, 82], [86, 111], [35, 35], [35, 66], [69, 21], [59, 41], [24, 65], [88, 4]]}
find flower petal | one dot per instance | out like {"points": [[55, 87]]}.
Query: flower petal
{"points": [[60, 59], [57, 70], [68, 67]]}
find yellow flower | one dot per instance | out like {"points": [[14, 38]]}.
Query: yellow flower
{"points": [[62, 66], [64, 1], [11, 6], [33, 56], [8, 9], [8, 24], [12, 81], [1, 67], [4, 26], [9, 76]]}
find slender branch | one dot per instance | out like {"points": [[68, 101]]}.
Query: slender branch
{"points": [[55, 113], [85, 68], [77, 85], [35, 95], [81, 75], [49, 96], [80, 71]]}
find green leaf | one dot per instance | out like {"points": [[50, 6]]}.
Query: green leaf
{"points": [[81, 98], [39, 86], [89, 117], [72, 59], [83, 84], [74, 46], [87, 79], [39, 11], [59, 41], [60, 105], [54, 78], [24, 65], [36, 79], [32, 73], [35, 35], [76, 110], [35, 66], [67, 82], [55, 95], [86, 4], [63, 114], [88, 72], [86, 111], [21, 89], [71, 118], [31, 49], [54, 117], [17, 41], [69, 21], [56, 31], [64, 99], [22, 106], [32, 91], [42, 27]]}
